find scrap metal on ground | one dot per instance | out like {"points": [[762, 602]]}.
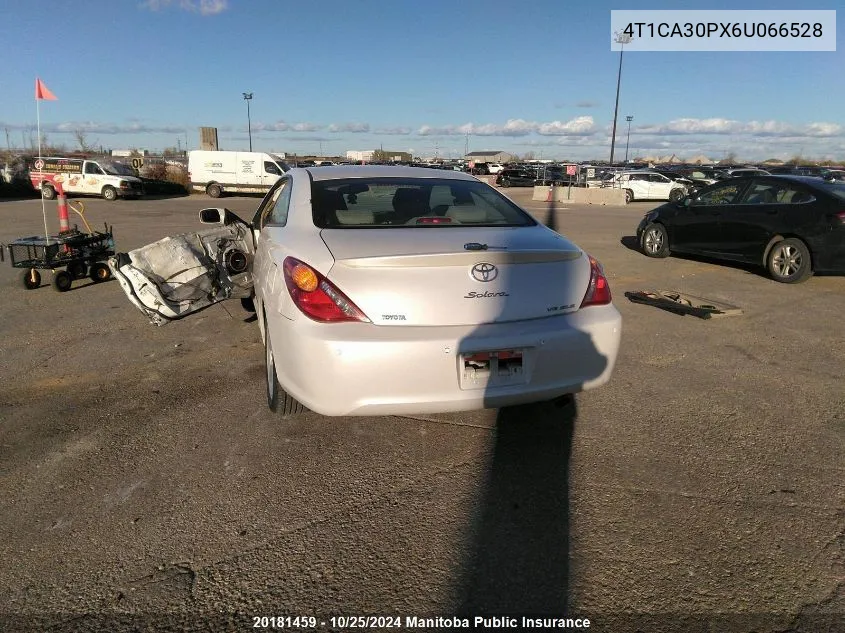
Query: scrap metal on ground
{"points": [[681, 303]]}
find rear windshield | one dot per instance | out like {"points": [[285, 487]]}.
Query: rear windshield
{"points": [[837, 189], [411, 202]]}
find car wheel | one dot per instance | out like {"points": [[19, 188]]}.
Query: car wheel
{"points": [[110, 194], [278, 400], [789, 262], [99, 272], [62, 281], [676, 194], [214, 191], [506, 182], [48, 192], [655, 241], [629, 196], [31, 279]]}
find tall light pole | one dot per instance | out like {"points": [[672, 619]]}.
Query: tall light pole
{"points": [[619, 38], [248, 98], [628, 140]]}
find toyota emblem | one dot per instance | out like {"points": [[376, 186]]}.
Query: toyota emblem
{"points": [[484, 272]]}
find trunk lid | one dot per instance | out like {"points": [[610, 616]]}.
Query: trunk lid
{"points": [[439, 276]]}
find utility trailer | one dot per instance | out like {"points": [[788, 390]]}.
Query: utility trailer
{"points": [[70, 255]]}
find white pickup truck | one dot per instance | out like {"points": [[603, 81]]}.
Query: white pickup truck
{"points": [[80, 176]]}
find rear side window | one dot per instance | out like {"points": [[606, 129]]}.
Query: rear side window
{"points": [[775, 193], [278, 213], [411, 202], [723, 194]]}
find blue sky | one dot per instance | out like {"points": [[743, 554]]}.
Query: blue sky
{"points": [[337, 75]]}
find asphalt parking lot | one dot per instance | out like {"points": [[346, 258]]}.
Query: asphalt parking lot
{"points": [[141, 473]]}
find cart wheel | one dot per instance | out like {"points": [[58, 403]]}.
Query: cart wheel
{"points": [[62, 281], [31, 279], [77, 270], [99, 272]]}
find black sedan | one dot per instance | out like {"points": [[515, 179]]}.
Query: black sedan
{"points": [[791, 225]]}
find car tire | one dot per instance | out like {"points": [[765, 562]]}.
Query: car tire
{"points": [[214, 191], [109, 193], [676, 194], [278, 400], [655, 241], [789, 261], [48, 192], [248, 303], [629, 196], [31, 279], [99, 272], [62, 281], [506, 182]]}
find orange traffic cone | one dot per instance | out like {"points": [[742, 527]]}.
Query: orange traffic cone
{"points": [[64, 220]]}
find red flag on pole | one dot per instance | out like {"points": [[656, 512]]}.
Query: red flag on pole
{"points": [[42, 92]]}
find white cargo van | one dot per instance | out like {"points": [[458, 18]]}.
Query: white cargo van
{"points": [[219, 172]]}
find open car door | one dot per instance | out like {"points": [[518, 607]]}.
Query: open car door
{"points": [[180, 275]]}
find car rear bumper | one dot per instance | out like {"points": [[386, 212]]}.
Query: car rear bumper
{"points": [[363, 369]]}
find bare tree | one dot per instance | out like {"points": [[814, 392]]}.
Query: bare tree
{"points": [[82, 139]]}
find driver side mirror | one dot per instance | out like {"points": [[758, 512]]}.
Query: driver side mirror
{"points": [[213, 216], [216, 215]]}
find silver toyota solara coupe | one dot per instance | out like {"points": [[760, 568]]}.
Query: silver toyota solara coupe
{"points": [[386, 290]]}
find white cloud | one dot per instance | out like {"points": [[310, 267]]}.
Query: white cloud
{"points": [[393, 131], [282, 126], [582, 125], [761, 129], [576, 137], [355, 128], [203, 7], [111, 128], [513, 127]]}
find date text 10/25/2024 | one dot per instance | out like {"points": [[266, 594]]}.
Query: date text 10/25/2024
{"points": [[416, 622]]}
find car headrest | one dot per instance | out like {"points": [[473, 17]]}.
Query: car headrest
{"points": [[325, 201], [408, 196]]}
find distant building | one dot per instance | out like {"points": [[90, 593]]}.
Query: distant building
{"points": [[368, 154], [490, 156]]}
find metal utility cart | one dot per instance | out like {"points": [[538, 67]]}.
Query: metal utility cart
{"points": [[70, 255]]}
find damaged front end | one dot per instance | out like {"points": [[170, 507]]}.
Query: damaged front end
{"points": [[180, 275]]}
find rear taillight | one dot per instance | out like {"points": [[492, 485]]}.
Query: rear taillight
{"points": [[598, 292], [316, 296], [434, 220], [841, 216]]}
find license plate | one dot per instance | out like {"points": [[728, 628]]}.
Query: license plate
{"points": [[490, 369]]}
